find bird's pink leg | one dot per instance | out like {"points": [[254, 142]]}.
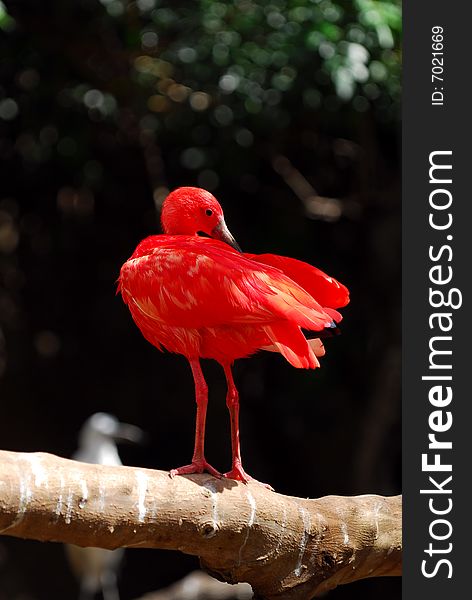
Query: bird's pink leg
{"points": [[199, 463], [232, 402]]}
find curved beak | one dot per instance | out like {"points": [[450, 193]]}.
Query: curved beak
{"points": [[129, 433], [222, 233]]}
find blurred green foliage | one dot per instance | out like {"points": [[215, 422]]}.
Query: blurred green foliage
{"points": [[196, 74], [249, 55]]}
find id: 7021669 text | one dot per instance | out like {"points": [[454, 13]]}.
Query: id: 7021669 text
{"points": [[437, 65]]}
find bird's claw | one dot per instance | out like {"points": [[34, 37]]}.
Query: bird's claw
{"points": [[239, 474], [198, 466]]}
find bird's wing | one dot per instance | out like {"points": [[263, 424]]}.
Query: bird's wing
{"points": [[325, 289], [198, 282]]}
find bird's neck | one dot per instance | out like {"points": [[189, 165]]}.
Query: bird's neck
{"points": [[178, 219]]}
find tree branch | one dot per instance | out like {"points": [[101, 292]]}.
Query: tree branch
{"points": [[283, 546]]}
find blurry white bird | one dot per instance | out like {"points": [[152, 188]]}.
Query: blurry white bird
{"points": [[97, 568]]}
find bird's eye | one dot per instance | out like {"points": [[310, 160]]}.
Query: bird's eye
{"points": [[208, 212]]}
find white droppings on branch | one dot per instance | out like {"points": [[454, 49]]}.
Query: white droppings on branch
{"points": [[343, 525], [101, 497], [283, 525], [25, 497], [84, 490], [345, 533], [376, 512], [142, 485], [60, 498], [250, 523], [211, 487], [69, 499], [306, 533], [252, 516], [40, 475]]}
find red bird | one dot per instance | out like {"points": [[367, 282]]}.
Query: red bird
{"points": [[203, 298]]}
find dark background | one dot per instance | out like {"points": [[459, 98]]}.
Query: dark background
{"points": [[288, 112]]}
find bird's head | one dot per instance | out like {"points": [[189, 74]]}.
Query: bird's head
{"points": [[194, 211], [103, 426]]}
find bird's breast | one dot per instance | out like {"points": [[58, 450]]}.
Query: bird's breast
{"points": [[223, 343]]}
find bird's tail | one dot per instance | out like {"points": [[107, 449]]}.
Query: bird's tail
{"points": [[289, 340]]}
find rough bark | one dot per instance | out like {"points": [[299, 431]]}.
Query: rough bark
{"points": [[285, 547]]}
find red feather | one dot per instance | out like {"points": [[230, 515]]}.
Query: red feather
{"points": [[327, 290], [199, 297]]}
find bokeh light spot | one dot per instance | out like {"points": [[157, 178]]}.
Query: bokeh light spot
{"points": [[229, 82], [146, 5], [378, 70], [276, 19], [187, 55], [192, 158], [149, 39], [115, 8], [199, 101], [8, 109], [327, 50], [223, 115], [178, 92], [93, 99], [244, 138]]}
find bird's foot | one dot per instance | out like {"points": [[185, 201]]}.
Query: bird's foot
{"points": [[197, 466], [239, 474]]}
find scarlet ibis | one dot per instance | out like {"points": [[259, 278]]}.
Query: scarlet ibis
{"points": [[193, 292], [97, 568]]}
